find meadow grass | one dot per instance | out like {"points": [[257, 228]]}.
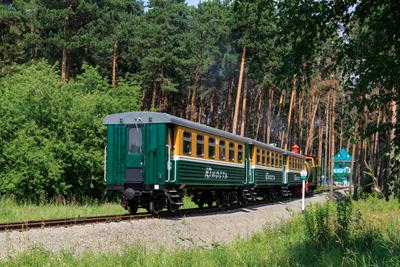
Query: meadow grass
{"points": [[13, 211], [372, 239]]}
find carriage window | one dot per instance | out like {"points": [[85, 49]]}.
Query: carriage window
{"points": [[200, 145], [211, 148], [268, 158], [276, 159], [187, 143], [279, 160], [231, 151], [258, 156], [263, 157], [135, 140], [240, 153], [222, 150]]}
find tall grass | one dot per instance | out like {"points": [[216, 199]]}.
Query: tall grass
{"points": [[328, 235], [12, 210]]}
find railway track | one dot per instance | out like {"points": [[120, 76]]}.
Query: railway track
{"points": [[26, 225]]}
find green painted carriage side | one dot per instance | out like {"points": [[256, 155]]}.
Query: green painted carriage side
{"points": [[247, 178], [293, 178], [153, 159], [195, 172], [155, 153], [116, 156], [267, 177]]}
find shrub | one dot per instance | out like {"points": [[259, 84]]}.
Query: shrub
{"points": [[51, 135]]}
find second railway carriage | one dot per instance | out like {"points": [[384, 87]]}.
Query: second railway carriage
{"points": [[156, 158], [276, 171]]}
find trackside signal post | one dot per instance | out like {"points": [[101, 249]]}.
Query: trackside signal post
{"points": [[303, 176]]}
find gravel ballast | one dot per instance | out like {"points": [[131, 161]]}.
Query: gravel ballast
{"points": [[204, 230]]}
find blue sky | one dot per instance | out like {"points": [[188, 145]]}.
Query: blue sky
{"points": [[193, 2]]}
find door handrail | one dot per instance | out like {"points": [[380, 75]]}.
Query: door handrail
{"points": [[169, 167]]}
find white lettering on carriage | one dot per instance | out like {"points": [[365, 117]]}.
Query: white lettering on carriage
{"points": [[269, 176], [211, 174]]}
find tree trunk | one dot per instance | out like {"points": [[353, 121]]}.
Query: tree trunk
{"points": [[392, 154], [193, 106], [320, 137], [376, 136], [213, 109], [64, 65], [228, 107], [341, 134], [301, 109], [332, 140], [326, 154], [289, 121], [244, 107], [310, 135], [154, 95], [357, 171], [363, 150], [282, 99], [353, 154], [259, 111], [65, 54], [114, 65], [269, 114], [239, 91]]}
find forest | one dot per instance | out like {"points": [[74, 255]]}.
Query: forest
{"points": [[321, 74]]}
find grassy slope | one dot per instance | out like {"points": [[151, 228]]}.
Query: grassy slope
{"points": [[374, 241], [11, 211]]}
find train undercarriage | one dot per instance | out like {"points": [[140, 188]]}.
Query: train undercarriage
{"points": [[155, 200]]}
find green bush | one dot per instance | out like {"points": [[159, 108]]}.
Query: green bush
{"points": [[318, 228], [51, 136], [343, 218]]}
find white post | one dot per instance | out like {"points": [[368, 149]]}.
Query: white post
{"points": [[303, 197]]}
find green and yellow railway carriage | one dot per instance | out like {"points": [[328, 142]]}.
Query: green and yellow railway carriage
{"points": [[156, 158]]}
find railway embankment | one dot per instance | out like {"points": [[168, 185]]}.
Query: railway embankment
{"points": [[202, 230]]}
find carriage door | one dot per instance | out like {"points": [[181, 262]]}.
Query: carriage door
{"points": [[134, 155], [285, 158]]}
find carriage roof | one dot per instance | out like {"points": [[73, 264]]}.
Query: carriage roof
{"points": [[156, 117]]}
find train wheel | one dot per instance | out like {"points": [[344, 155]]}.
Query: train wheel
{"points": [[133, 206], [210, 203], [228, 200], [220, 202], [200, 204], [240, 201], [265, 196], [155, 206], [172, 208]]}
